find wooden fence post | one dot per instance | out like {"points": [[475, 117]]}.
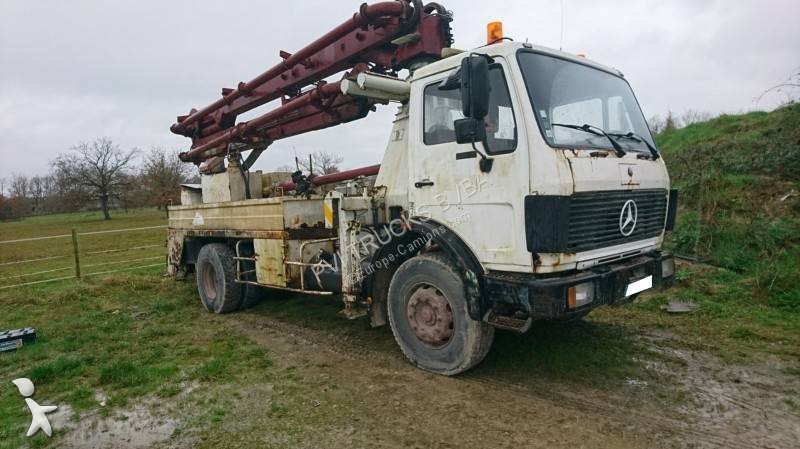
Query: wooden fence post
{"points": [[76, 252]]}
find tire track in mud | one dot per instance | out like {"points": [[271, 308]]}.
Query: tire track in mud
{"points": [[689, 360], [720, 403], [668, 430], [665, 427]]}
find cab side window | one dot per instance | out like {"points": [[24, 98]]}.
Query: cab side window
{"points": [[442, 108]]}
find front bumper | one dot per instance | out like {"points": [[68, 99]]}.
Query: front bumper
{"points": [[547, 298]]}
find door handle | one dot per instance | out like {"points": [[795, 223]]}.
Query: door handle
{"points": [[424, 183]]}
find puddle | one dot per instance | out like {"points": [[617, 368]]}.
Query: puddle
{"points": [[743, 401], [137, 428]]}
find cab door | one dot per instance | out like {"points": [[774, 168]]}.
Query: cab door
{"points": [[486, 209]]}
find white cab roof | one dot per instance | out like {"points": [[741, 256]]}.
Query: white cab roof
{"points": [[508, 50]]}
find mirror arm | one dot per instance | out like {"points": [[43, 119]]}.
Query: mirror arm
{"points": [[480, 153], [485, 56], [486, 162]]}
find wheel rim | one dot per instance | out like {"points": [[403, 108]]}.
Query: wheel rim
{"points": [[209, 276], [430, 316]]}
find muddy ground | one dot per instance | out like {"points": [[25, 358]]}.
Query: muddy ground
{"points": [[337, 392]]}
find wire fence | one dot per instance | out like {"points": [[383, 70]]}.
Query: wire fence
{"points": [[105, 252]]}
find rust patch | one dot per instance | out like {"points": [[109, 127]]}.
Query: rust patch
{"points": [[175, 251], [270, 262], [230, 233], [288, 234]]}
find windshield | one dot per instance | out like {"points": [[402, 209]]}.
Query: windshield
{"points": [[567, 93]]}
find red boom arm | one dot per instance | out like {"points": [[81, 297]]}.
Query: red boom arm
{"points": [[381, 38]]}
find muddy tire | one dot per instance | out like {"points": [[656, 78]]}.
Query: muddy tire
{"points": [[215, 272], [429, 318], [252, 295]]}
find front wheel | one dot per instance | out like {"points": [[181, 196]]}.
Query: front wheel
{"points": [[430, 320]]}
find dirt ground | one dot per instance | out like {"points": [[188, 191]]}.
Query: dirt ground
{"points": [[344, 394], [734, 406]]}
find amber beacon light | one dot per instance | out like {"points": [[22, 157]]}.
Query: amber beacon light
{"points": [[494, 32]]}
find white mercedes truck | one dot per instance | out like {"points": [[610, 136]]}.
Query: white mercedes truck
{"points": [[519, 184]]}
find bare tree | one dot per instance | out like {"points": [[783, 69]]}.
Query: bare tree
{"points": [[656, 124], [101, 167], [162, 174], [671, 123], [692, 116], [37, 192], [789, 87], [19, 186], [323, 163], [4, 206], [65, 194], [19, 200]]}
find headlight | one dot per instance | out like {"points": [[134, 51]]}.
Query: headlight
{"points": [[667, 268], [580, 295]]}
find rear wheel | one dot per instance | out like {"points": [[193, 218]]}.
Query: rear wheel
{"points": [[252, 295], [429, 317], [216, 276]]}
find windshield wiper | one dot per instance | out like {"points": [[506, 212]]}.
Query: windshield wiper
{"points": [[597, 132], [636, 137]]}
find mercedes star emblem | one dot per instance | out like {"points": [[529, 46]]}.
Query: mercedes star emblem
{"points": [[628, 218]]}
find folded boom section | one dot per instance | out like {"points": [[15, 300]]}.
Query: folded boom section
{"points": [[382, 38]]}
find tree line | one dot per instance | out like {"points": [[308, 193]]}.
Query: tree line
{"points": [[672, 121], [788, 90], [97, 175]]}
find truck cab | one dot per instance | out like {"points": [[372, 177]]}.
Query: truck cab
{"points": [[572, 212], [554, 197]]}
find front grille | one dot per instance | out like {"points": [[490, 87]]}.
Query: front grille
{"points": [[594, 217]]}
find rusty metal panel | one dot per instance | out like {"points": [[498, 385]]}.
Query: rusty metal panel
{"points": [[294, 254], [223, 187], [191, 194], [175, 242], [256, 183], [264, 214], [301, 213], [292, 234], [270, 268], [269, 214]]}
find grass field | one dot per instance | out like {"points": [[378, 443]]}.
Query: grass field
{"points": [[128, 334], [53, 257], [114, 341], [739, 178]]}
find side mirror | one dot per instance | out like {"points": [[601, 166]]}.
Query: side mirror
{"points": [[475, 87], [470, 130], [475, 91]]}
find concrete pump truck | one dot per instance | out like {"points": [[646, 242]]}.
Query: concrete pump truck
{"points": [[519, 184]]}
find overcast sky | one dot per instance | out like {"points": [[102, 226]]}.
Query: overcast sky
{"points": [[71, 71]]}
